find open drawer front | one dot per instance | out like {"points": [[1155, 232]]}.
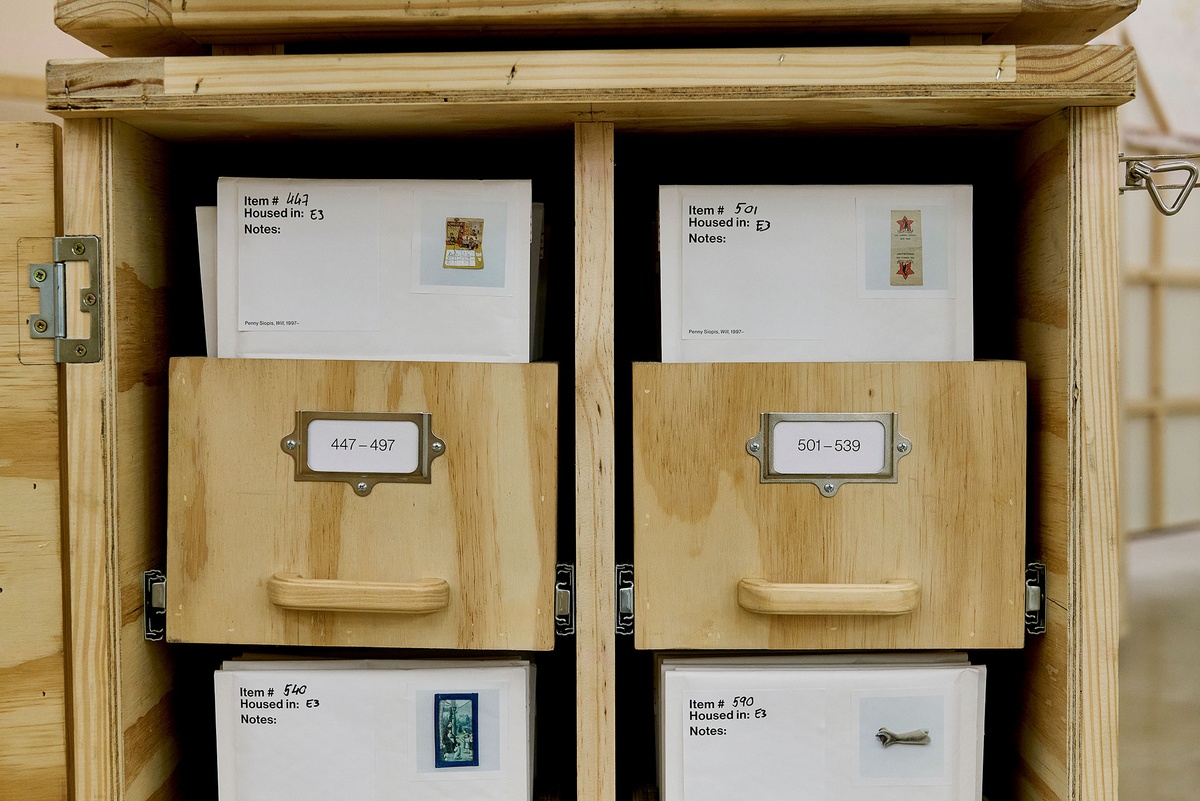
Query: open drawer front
{"points": [[916, 541], [299, 513]]}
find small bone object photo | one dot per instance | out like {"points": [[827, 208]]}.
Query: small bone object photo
{"points": [[914, 737]]}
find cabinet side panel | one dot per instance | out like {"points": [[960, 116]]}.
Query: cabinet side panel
{"points": [[1067, 332], [137, 271], [92, 629], [595, 453], [1043, 332], [33, 739], [115, 426], [1095, 564]]}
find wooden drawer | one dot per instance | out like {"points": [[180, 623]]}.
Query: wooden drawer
{"points": [[464, 561], [933, 560]]}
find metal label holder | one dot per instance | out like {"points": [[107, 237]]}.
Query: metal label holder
{"points": [[762, 445], [429, 447]]}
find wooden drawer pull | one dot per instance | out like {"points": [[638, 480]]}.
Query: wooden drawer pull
{"points": [[892, 597], [419, 597]]}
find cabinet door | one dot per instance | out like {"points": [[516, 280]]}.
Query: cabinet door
{"points": [[33, 758]]}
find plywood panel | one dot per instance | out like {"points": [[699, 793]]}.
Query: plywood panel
{"points": [[1067, 301], [115, 187], [595, 461], [484, 523], [33, 738], [124, 28], [953, 522], [464, 93], [1063, 21], [1096, 574]]}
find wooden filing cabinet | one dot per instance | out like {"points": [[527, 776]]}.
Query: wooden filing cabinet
{"points": [[135, 130]]}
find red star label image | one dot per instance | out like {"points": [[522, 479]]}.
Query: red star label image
{"points": [[905, 225], [905, 269]]}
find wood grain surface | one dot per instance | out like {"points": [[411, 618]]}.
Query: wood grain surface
{"points": [[954, 523], [159, 27], [1066, 333], [420, 597], [33, 734], [484, 523], [595, 465], [844, 89], [115, 186]]}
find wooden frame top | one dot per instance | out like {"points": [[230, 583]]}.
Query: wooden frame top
{"points": [[422, 94], [181, 27]]}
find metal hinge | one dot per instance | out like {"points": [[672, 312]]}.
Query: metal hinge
{"points": [[154, 605], [1035, 598], [1138, 170], [51, 282], [564, 600], [624, 622]]}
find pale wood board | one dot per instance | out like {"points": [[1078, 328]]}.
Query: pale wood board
{"points": [[639, 90], [485, 522], [92, 626], [953, 522], [115, 187], [595, 463], [1067, 167], [33, 734], [124, 28], [1063, 21], [1096, 613], [537, 71]]}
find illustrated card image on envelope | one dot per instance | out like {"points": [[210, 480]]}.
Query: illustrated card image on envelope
{"points": [[816, 273], [374, 269]]}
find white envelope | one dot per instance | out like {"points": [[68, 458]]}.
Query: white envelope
{"points": [[778, 730], [309, 733], [816, 273], [369, 269]]}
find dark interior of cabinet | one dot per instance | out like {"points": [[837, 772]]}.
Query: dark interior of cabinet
{"points": [[985, 160], [642, 163], [547, 161]]}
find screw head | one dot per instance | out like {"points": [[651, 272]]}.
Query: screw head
{"points": [[361, 486], [828, 489], [40, 326], [902, 447], [755, 447], [437, 447], [78, 248], [39, 275], [290, 444], [81, 350], [90, 299]]}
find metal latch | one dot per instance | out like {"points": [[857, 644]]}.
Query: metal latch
{"points": [[51, 282], [1035, 598], [154, 605], [1138, 172], [624, 620], [564, 600]]}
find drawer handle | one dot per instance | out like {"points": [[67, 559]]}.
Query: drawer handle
{"points": [[292, 591], [892, 597]]}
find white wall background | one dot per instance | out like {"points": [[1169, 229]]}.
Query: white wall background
{"points": [[28, 39]]}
